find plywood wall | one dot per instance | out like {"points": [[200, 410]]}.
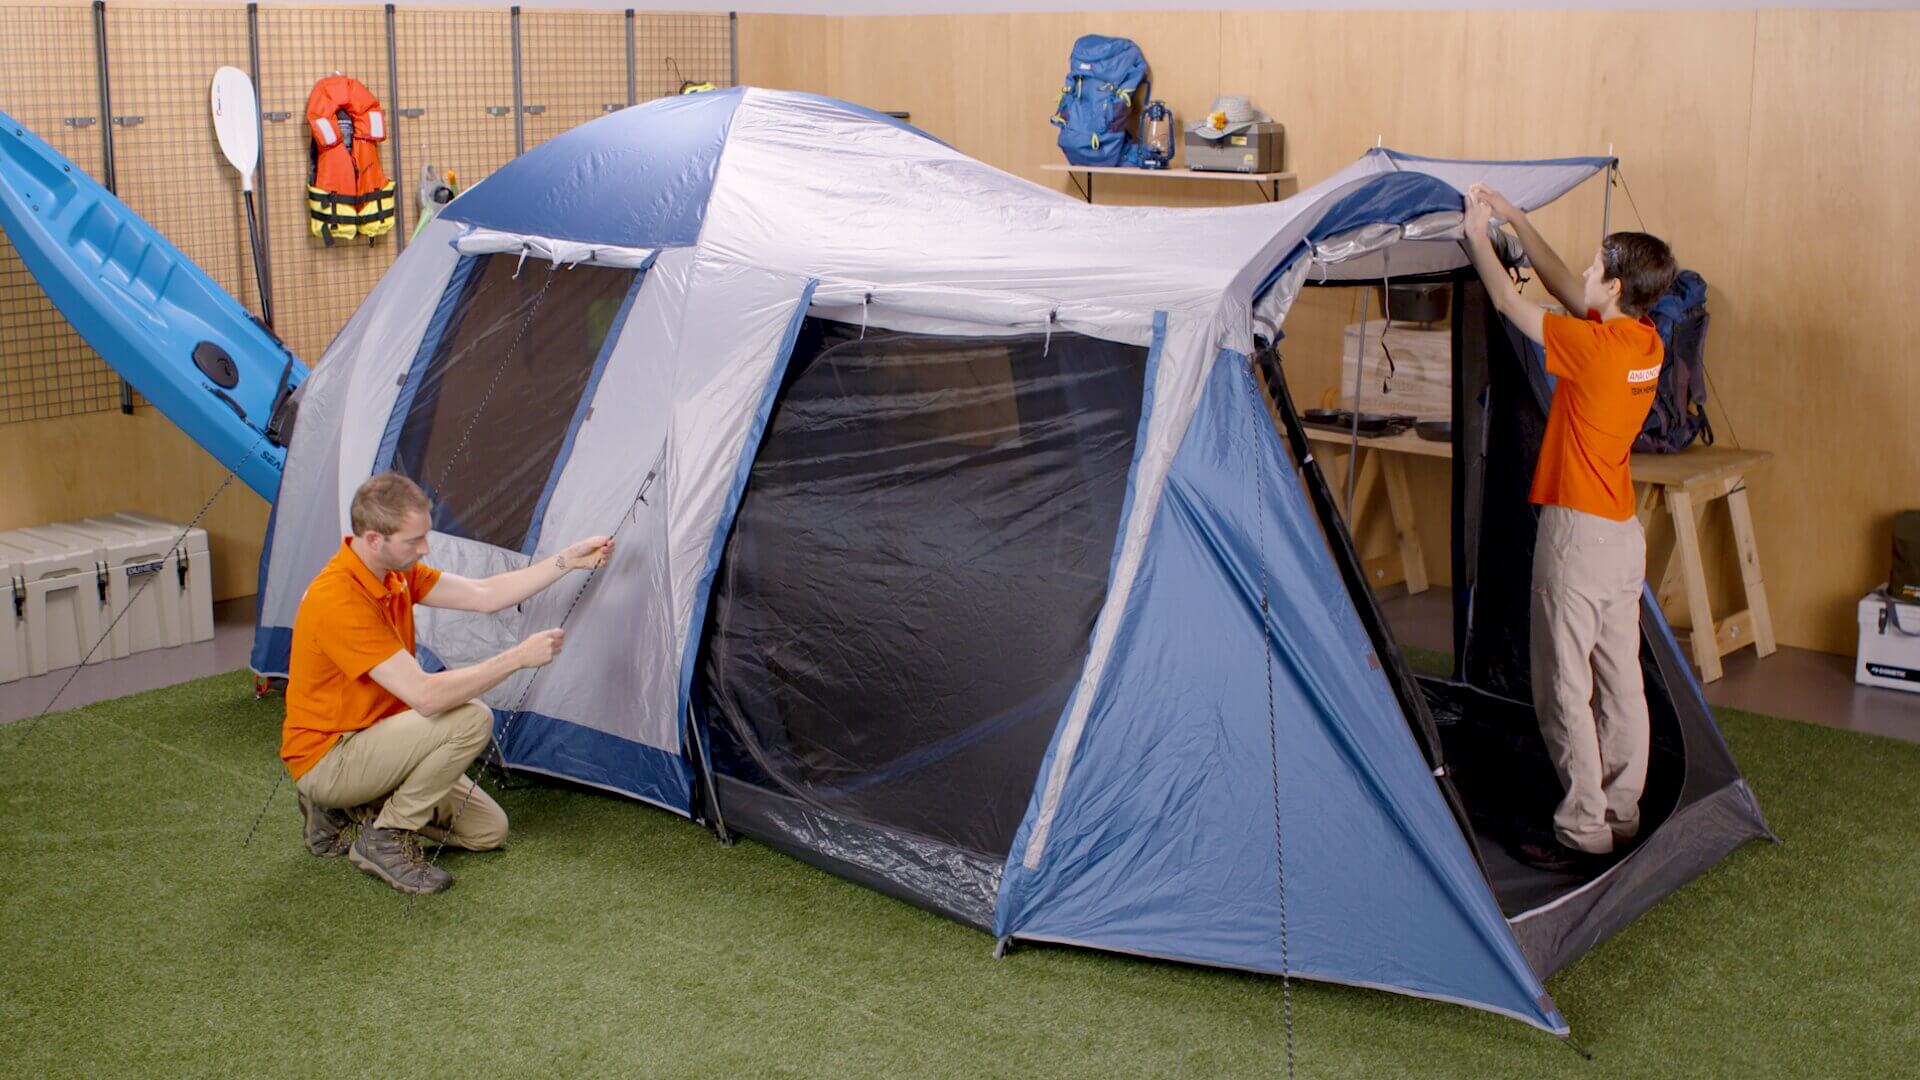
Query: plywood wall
{"points": [[1776, 150], [76, 466]]}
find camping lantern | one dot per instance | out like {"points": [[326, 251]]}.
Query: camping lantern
{"points": [[1156, 136]]}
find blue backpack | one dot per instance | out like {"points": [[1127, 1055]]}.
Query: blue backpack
{"points": [[1106, 78], [1679, 414]]}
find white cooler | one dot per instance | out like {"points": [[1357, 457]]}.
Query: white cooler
{"points": [[1889, 653], [170, 590], [13, 618], [65, 583], [65, 592]]}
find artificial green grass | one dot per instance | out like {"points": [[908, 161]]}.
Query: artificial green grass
{"points": [[138, 937]]}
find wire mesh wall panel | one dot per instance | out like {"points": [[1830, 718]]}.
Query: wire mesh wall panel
{"points": [[48, 77], [456, 67], [573, 68], [681, 47], [316, 287], [160, 61], [453, 107]]}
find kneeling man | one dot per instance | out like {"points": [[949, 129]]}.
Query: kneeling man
{"points": [[367, 730]]}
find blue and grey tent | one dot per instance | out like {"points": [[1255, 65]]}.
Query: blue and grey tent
{"points": [[969, 547]]}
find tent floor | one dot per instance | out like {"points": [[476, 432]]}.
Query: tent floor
{"points": [[1500, 768], [1521, 888]]}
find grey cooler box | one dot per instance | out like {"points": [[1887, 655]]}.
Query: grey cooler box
{"points": [[1258, 149]]}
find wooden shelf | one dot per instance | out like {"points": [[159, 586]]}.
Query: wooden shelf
{"points": [[1268, 182], [1171, 174]]}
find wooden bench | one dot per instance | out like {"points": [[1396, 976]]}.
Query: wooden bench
{"points": [[1684, 485]]}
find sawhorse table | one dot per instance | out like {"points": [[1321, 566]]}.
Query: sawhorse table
{"points": [[1687, 484], [1674, 494], [1383, 463]]}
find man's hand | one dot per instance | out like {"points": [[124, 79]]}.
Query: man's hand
{"points": [[540, 648], [589, 554], [1501, 206]]}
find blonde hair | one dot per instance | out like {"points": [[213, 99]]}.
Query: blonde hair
{"points": [[382, 503]]}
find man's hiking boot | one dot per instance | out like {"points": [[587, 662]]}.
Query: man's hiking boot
{"points": [[393, 856], [324, 830]]}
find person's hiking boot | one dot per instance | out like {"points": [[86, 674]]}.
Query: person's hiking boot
{"points": [[443, 838], [393, 856], [324, 829], [1557, 858]]}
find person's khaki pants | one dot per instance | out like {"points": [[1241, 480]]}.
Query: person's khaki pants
{"points": [[418, 763], [1587, 577]]}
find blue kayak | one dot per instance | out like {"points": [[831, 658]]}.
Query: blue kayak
{"points": [[203, 360]]}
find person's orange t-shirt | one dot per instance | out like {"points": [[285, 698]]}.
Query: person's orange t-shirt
{"points": [[348, 623], [1608, 372]]}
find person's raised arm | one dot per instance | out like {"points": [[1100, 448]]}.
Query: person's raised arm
{"points": [[1564, 284], [1523, 313], [503, 590]]}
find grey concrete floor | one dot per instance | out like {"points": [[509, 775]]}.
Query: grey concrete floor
{"points": [[232, 643]]}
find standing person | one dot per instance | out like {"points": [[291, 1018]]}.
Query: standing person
{"points": [[1589, 556], [365, 723]]}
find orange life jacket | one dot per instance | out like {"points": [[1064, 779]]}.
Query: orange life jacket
{"points": [[348, 194]]}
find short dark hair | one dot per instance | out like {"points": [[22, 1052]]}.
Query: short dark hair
{"points": [[1642, 264], [381, 504]]}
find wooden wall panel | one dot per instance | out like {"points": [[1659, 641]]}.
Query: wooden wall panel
{"points": [[1815, 355], [1776, 150], [1341, 80], [787, 52], [97, 463]]}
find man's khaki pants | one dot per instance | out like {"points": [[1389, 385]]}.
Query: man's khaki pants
{"points": [[418, 763], [1587, 577]]}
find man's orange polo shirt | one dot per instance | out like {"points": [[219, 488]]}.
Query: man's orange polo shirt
{"points": [[1609, 372], [348, 623]]}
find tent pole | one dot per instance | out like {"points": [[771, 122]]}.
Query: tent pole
{"points": [[720, 830], [1353, 443], [1606, 204], [1406, 689]]}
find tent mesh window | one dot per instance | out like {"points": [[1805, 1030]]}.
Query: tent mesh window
{"points": [[906, 598], [501, 380]]}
